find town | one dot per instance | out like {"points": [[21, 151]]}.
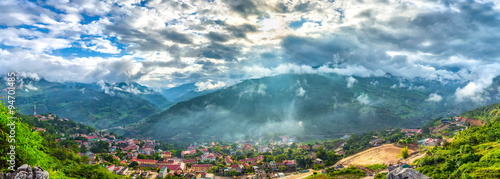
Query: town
{"points": [[253, 158]]}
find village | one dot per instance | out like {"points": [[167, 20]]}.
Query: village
{"points": [[253, 158]]}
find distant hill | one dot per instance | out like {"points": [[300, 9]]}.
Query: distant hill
{"points": [[84, 103], [306, 104], [183, 92], [487, 113]]}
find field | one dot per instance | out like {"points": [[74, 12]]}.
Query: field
{"points": [[385, 154]]}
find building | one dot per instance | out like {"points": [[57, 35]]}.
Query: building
{"points": [[201, 167], [377, 142], [411, 132], [190, 161], [318, 161], [209, 157], [146, 161], [166, 154], [228, 160]]}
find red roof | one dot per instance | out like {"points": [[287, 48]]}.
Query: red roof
{"points": [[289, 162], [167, 153], [202, 165], [110, 166], [189, 160], [172, 167], [146, 160], [228, 159], [418, 131]]}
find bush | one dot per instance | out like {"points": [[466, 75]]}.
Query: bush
{"points": [[404, 152]]}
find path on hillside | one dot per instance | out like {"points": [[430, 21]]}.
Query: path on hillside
{"points": [[384, 154]]}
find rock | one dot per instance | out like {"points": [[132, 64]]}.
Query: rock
{"points": [[40, 173], [406, 173], [25, 172]]}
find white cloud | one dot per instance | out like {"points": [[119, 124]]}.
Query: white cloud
{"points": [[350, 81], [209, 85], [101, 45], [363, 99], [434, 97], [301, 92]]}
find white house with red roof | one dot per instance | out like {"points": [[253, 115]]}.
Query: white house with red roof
{"points": [[209, 157]]}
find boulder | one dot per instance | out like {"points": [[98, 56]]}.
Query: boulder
{"points": [[25, 172], [406, 173]]}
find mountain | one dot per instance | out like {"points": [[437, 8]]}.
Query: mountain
{"points": [[306, 105], [132, 89], [84, 103], [183, 92]]}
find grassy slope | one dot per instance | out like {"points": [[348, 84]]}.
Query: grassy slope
{"points": [[474, 153], [31, 149]]}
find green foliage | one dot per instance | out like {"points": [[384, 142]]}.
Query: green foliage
{"points": [[318, 167], [331, 172], [380, 176], [376, 167], [29, 146], [404, 152], [37, 150], [474, 153]]}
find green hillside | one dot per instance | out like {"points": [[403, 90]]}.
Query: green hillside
{"points": [[33, 149], [487, 113], [473, 153], [82, 103], [305, 105]]}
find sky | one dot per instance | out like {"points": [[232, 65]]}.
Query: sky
{"points": [[217, 43]]}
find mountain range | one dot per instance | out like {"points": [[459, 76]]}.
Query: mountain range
{"points": [[307, 105]]}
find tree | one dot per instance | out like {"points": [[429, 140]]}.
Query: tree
{"points": [[404, 152]]}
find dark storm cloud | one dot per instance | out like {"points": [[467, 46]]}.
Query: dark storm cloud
{"points": [[315, 52], [220, 51], [245, 7], [240, 31], [218, 37], [177, 37]]}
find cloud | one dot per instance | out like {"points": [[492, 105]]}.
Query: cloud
{"points": [[208, 85], [168, 43], [350, 81], [301, 92], [434, 97], [363, 99]]}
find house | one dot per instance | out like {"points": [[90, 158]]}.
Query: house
{"points": [[429, 142], [175, 167], [201, 167], [146, 161], [318, 161], [123, 171], [166, 154], [190, 161], [111, 168], [315, 147], [228, 160], [205, 176], [237, 167], [377, 142], [204, 150], [163, 172], [411, 132], [209, 157], [289, 163], [305, 147], [188, 152]]}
